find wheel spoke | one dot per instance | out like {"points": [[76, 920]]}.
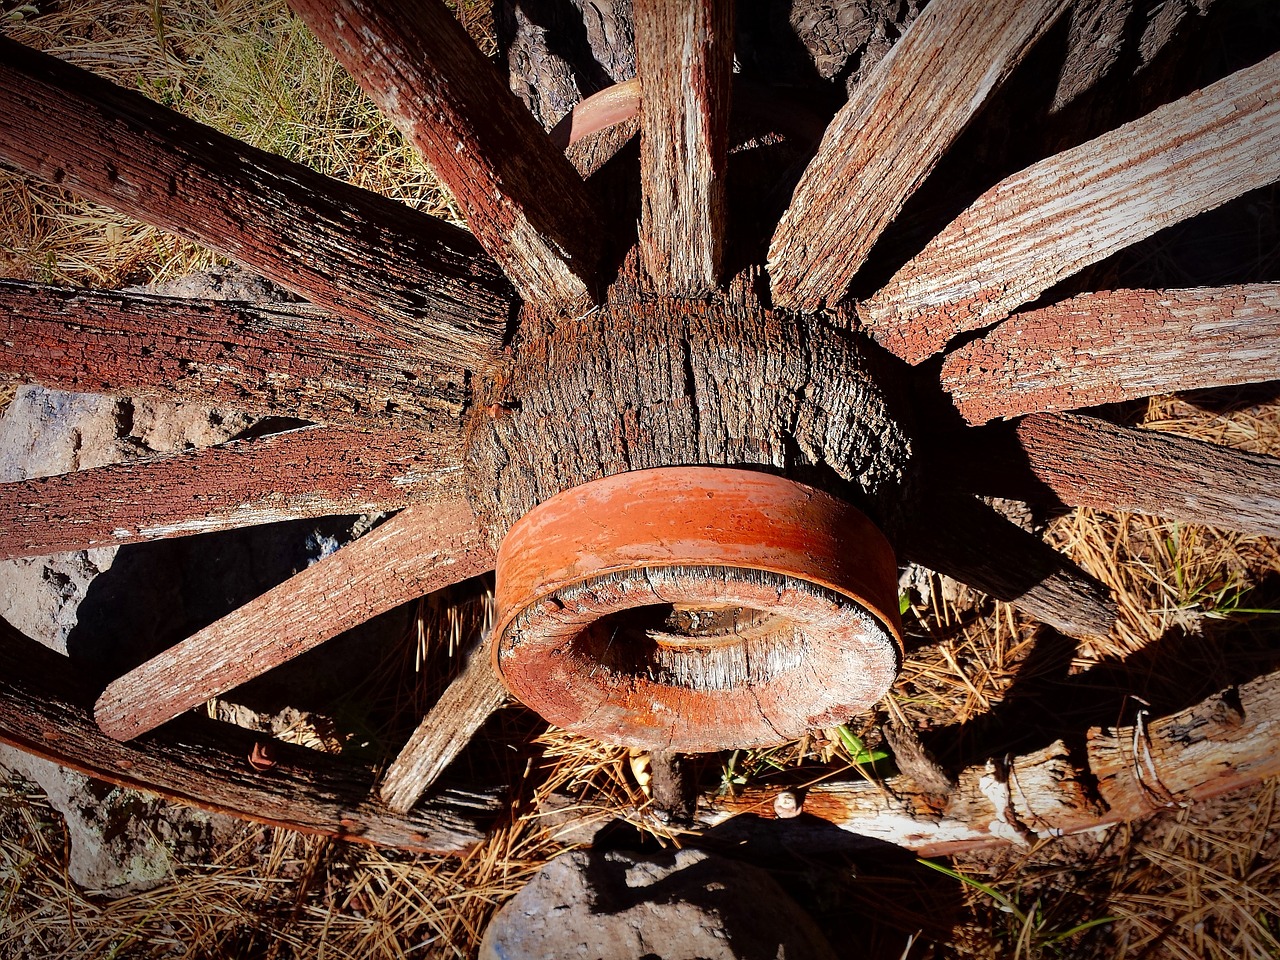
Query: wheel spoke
{"points": [[889, 136], [411, 276], [684, 61], [1087, 462], [968, 541], [45, 711], [419, 550], [1118, 345], [448, 727], [278, 359], [1075, 208], [522, 199], [310, 472]]}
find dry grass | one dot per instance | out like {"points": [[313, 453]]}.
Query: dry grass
{"points": [[1199, 883]]}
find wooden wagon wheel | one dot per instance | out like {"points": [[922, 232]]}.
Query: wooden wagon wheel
{"points": [[548, 349]]}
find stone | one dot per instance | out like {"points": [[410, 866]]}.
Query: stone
{"points": [[618, 905]]}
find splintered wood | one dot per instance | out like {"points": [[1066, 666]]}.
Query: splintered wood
{"points": [[308, 472], [890, 135], [522, 199], [415, 552], [1117, 345], [1047, 222], [684, 61], [367, 258]]}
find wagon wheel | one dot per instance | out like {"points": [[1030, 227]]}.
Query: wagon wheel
{"points": [[695, 519]]}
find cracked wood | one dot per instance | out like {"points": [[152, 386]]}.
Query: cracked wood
{"points": [[520, 196], [1047, 222], [412, 278]]}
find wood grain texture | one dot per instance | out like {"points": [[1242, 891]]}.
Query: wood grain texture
{"points": [[391, 269], [1223, 743], [1075, 208], [1117, 345], [448, 727], [968, 541], [520, 196], [309, 472], [684, 62], [889, 136], [278, 359], [1091, 463], [45, 710], [419, 550]]}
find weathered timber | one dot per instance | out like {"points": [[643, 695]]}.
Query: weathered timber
{"points": [[968, 541], [522, 199], [1220, 744], [679, 382], [278, 359], [448, 727], [889, 136], [1088, 462], [419, 550], [1070, 210], [1117, 345], [387, 269], [684, 62], [46, 710], [308, 472]]}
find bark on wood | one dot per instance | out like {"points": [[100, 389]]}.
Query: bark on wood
{"points": [[414, 553], [391, 269], [309, 472], [683, 382], [281, 359], [1118, 345], [448, 727], [684, 61], [1070, 210], [970, 542], [889, 136], [44, 710], [522, 199], [1091, 463]]}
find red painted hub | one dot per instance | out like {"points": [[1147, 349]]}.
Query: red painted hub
{"points": [[696, 609]]}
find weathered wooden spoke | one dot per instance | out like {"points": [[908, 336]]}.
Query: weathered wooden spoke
{"points": [[309, 472], [1061, 214], [363, 256], [1117, 345], [419, 550], [283, 359], [968, 541], [889, 136], [1087, 462], [684, 61], [45, 710], [522, 199]]}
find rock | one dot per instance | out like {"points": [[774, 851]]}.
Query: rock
{"points": [[617, 905]]}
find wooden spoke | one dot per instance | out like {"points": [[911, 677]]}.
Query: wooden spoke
{"points": [[890, 135], [46, 711], [684, 61], [968, 541], [419, 550], [310, 472], [365, 257], [522, 199], [1087, 462], [1071, 210], [1117, 345], [448, 727], [282, 359]]}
